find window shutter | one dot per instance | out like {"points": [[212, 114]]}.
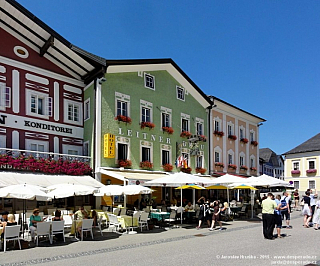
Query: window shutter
{"points": [[48, 106], [7, 93]]}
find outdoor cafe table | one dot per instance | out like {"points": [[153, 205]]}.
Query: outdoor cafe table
{"points": [[235, 210], [160, 216], [125, 221]]}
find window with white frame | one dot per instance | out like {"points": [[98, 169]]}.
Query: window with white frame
{"points": [[296, 165], [87, 109], [185, 122], [165, 157], [73, 112], [312, 164], [217, 124], [38, 104], [38, 148], [296, 184], [145, 154], [241, 160], [3, 143], [122, 104], [252, 162], [146, 111], [230, 128], [72, 149], [186, 158], [149, 81], [86, 148], [5, 96], [312, 184], [122, 151], [252, 135], [165, 117], [217, 157], [199, 126], [199, 161], [230, 158], [180, 93], [241, 133], [122, 108]]}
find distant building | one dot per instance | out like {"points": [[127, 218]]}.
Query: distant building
{"points": [[301, 164], [270, 163]]}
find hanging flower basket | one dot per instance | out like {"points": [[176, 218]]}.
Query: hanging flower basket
{"points": [[243, 167], [253, 168], [232, 137], [311, 171], [146, 165], [201, 170], [295, 172], [122, 118], [232, 166], [169, 130], [244, 140], [186, 170], [218, 164], [167, 167], [124, 163], [254, 143], [218, 133], [202, 138], [147, 124], [185, 134]]}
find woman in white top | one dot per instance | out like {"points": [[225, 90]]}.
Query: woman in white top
{"points": [[316, 216]]}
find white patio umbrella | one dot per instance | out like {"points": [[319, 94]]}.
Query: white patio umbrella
{"points": [[136, 189], [266, 181], [177, 180], [110, 190], [68, 190]]}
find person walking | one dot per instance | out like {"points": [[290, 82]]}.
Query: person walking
{"points": [[277, 216], [216, 215], [306, 212], [268, 207], [316, 216], [296, 199], [312, 204], [285, 208]]}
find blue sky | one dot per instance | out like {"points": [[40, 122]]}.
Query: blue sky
{"points": [[261, 56]]}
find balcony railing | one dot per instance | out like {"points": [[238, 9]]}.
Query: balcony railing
{"points": [[15, 153]]}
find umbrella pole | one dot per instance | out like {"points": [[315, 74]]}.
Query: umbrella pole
{"points": [[181, 204], [228, 196]]}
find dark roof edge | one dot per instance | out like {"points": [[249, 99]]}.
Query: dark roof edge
{"points": [[159, 61], [263, 120], [288, 152]]}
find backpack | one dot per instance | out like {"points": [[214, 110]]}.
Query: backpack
{"points": [[283, 206]]}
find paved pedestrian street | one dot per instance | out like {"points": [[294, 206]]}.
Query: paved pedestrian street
{"points": [[240, 243]]}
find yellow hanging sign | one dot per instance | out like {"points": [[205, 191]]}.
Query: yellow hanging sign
{"points": [[109, 145]]}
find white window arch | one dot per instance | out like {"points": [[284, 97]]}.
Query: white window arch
{"points": [[217, 154]]}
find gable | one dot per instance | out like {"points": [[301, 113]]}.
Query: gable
{"points": [[11, 46]]}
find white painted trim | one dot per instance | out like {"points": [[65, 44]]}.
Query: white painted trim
{"points": [[3, 69], [149, 145], [98, 140], [66, 147], [15, 91], [153, 79], [72, 89], [40, 71], [85, 109], [37, 79], [88, 86], [56, 100], [56, 144], [66, 102]]}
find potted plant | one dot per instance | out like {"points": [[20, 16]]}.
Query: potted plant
{"points": [[253, 168], [295, 172], [232, 166], [186, 170], [147, 124], [232, 137], [218, 164], [146, 165], [243, 167], [254, 143], [124, 163], [201, 170], [167, 167], [311, 171], [202, 138], [169, 130], [123, 118], [185, 134], [218, 133], [244, 140]]}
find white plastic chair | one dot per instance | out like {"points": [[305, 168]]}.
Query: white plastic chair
{"points": [[16, 218], [86, 227], [172, 218], [57, 228], [123, 211], [113, 221], [11, 233], [67, 221], [144, 220], [116, 211], [43, 229], [99, 221]]}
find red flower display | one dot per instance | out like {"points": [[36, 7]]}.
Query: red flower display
{"points": [[147, 124], [254, 143], [253, 168], [218, 133], [185, 134], [202, 138], [295, 172], [186, 170], [167, 167], [201, 170], [146, 165], [243, 167], [232, 166], [122, 118], [169, 130], [311, 171], [233, 137], [218, 164], [244, 140], [124, 163]]}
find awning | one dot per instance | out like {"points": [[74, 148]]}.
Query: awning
{"points": [[134, 178], [44, 180]]}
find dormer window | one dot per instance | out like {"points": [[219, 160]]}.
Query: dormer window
{"points": [[180, 93], [149, 81]]}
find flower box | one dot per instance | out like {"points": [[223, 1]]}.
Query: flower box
{"points": [[254, 143], [232, 137], [124, 163], [185, 134], [186, 170], [122, 118], [147, 124], [146, 165], [244, 140], [169, 130], [218, 133], [295, 172], [232, 166], [243, 167], [202, 138], [167, 167], [311, 171], [253, 168], [201, 170], [218, 164]]}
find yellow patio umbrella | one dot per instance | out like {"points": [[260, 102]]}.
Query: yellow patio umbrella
{"points": [[192, 186], [243, 186], [217, 187]]}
